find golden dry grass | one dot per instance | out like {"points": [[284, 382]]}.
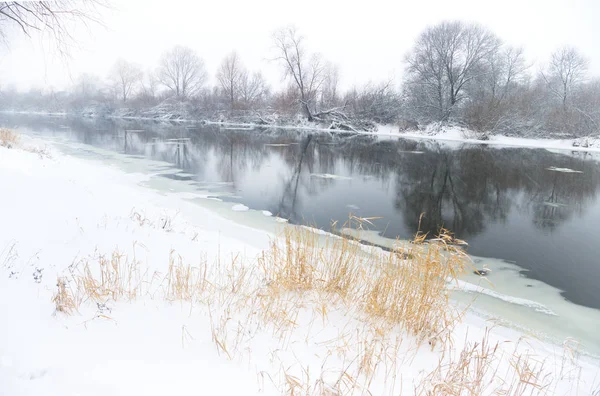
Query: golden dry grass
{"points": [[386, 285], [63, 298], [8, 138], [482, 367], [393, 295]]}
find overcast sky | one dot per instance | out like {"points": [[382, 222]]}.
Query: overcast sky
{"points": [[367, 39]]}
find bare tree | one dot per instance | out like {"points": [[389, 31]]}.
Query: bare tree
{"points": [[567, 68], [148, 87], [378, 102], [182, 71], [229, 76], [51, 17], [492, 91], [252, 89], [306, 71], [87, 85], [329, 91], [445, 58], [125, 77]]}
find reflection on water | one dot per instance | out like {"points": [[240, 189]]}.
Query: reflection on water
{"points": [[515, 204]]}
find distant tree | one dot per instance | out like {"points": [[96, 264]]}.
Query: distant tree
{"points": [[230, 75], [306, 71], [492, 92], [329, 90], [126, 77], [52, 17], [566, 70], [87, 86], [377, 102], [182, 71], [148, 88], [445, 58], [252, 89]]}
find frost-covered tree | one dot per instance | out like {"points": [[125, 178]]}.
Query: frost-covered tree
{"points": [[182, 71], [444, 59], [53, 18], [125, 77], [492, 92], [252, 89], [378, 102], [566, 70], [306, 71], [330, 89], [229, 75], [148, 88]]}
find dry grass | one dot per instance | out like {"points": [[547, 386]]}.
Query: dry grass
{"points": [[64, 299], [385, 285], [483, 368], [8, 138], [296, 288]]}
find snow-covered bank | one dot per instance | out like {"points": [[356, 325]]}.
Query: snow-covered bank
{"points": [[60, 212], [464, 136], [445, 134]]}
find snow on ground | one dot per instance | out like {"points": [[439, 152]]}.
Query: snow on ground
{"points": [[59, 213], [456, 134]]}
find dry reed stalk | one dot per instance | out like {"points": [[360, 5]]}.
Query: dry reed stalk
{"points": [[8, 138], [63, 299]]}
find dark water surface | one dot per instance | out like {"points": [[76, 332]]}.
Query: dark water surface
{"points": [[504, 201]]}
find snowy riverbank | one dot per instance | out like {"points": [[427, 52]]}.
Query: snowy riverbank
{"points": [[61, 214], [454, 135], [459, 135]]}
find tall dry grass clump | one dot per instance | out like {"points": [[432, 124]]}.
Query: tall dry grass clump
{"points": [[405, 287], [8, 138], [64, 299], [99, 279], [483, 368]]}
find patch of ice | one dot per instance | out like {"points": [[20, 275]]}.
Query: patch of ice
{"points": [[317, 231], [239, 208], [278, 144], [554, 204], [267, 213], [281, 220], [563, 170], [471, 288], [353, 207], [329, 176]]}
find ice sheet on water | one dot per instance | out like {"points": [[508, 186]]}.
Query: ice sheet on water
{"points": [[563, 170], [329, 176], [471, 288]]}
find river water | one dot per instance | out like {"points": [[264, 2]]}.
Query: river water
{"points": [[529, 215]]}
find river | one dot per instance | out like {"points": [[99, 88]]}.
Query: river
{"points": [[529, 215]]}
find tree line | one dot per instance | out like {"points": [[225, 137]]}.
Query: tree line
{"points": [[456, 73]]}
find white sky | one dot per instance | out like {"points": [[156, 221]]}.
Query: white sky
{"points": [[367, 39]]}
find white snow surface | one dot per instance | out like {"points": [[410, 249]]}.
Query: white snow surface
{"points": [[456, 134], [239, 208], [59, 210]]}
